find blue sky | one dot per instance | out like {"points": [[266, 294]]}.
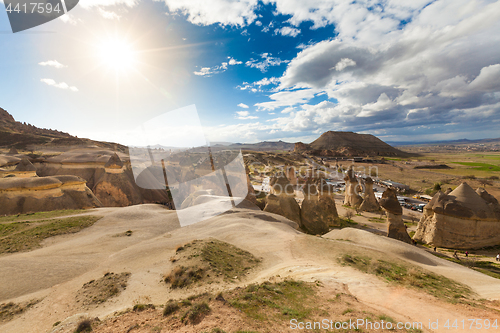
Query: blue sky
{"points": [[261, 70]]}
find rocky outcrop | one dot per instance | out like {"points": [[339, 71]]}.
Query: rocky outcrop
{"points": [[396, 228], [281, 185], [300, 147], [13, 151], [462, 219], [23, 169], [352, 198], [370, 203], [109, 175], [36, 194], [283, 205]]}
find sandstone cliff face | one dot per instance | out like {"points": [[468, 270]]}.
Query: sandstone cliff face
{"points": [[396, 228], [36, 194], [462, 219], [108, 175]]}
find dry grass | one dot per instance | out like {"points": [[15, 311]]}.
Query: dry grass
{"points": [[10, 310], [100, 290]]}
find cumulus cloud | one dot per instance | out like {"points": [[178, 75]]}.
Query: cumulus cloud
{"points": [[244, 115], [52, 63], [266, 61], [431, 72], [223, 12], [209, 71], [61, 85], [287, 31], [244, 106]]}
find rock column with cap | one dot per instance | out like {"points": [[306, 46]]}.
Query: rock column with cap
{"points": [[396, 228], [352, 198], [370, 203]]}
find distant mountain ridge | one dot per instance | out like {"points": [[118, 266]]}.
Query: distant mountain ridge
{"points": [[22, 135], [444, 142]]}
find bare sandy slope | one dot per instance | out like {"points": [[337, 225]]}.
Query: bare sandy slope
{"points": [[57, 271]]}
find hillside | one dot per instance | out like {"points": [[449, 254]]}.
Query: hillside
{"points": [[348, 144], [24, 136]]}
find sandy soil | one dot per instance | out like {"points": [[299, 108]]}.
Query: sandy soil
{"points": [[57, 271]]}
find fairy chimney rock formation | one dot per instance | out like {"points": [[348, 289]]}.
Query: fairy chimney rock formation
{"points": [[352, 197], [280, 185], [370, 203], [318, 211], [462, 219], [290, 174], [396, 228]]}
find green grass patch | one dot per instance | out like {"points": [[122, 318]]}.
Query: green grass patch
{"points": [[23, 236], [480, 166], [436, 285], [276, 301], [41, 215]]}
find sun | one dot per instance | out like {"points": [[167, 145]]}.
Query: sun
{"points": [[117, 54]]}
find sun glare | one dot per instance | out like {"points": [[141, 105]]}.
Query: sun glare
{"points": [[117, 54]]}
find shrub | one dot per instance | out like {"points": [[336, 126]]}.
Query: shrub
{"points": [[183, 276], [170, 308], [84, 326]]}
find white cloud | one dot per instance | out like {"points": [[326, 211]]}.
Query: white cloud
{"points": [[343, 63], [244, 115], [268, 61], [256, 86], [52, 63], [207, 12], [244, 106], [234, 61], [209, 71], [258, 23], [287, 31], [108, 14], [61, 85]]}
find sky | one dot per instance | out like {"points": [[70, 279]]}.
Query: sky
{"points": [[260, 70]]}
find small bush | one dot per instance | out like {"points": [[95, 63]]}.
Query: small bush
{"points": [[183, 276], [84, 326], [196, 313], [170, 308], [142, 307]]}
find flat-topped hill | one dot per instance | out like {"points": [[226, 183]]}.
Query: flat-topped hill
{"points": [[348, 144]]}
